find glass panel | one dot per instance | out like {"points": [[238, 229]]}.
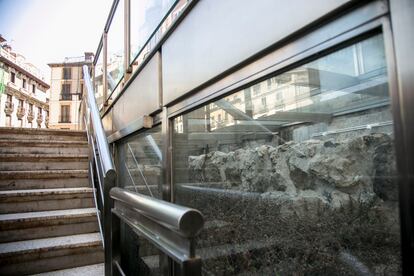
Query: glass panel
{"points": [[115, 40], [98, 81], [296, 174], [140, 170], [145, 17], [141, 160]]}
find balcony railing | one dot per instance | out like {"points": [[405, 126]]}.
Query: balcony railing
{"points": [[39, 119], [64, 119], [30, 116], [20, 112], [65, 97], [9, 108]]}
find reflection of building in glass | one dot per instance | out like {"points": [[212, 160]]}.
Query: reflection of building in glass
{"points": [[23, 96], [67, 89], [313, 87]]}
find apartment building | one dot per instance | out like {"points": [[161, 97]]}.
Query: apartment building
{"points": [[24, 100]]}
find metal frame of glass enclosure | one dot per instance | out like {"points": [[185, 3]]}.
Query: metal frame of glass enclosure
{"points": [[340, 27]]}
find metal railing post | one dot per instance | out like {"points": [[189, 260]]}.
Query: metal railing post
{"points": [[109, 225], [127, 36], [105, 68], [105, 168]]}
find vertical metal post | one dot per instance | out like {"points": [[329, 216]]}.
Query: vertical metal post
{"points": [[127, 37], [115, 245], [110, 225], [166, 264], [400, 42], [105, 69], [166, 188]]}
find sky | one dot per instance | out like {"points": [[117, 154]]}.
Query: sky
{"points": [[46, 31]]}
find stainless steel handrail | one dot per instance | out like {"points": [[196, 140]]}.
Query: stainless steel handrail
{"points": [[185, 221], [97, 124], [103, 168], [170, 227]]}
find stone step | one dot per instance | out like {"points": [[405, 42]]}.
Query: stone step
{"points": [[44, 147], [36, 225], [43, 174], [22, 162], [7, 133], [18, 130], [51, 183], [43, 255], [19, 201], [88, 270], [43, 179]]}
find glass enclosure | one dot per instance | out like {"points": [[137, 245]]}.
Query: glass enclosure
{"points": [[296, 174]]}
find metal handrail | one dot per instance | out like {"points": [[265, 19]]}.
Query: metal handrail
{"points": [[97, 125], [185, 221], [170, 227], [104, 167]]}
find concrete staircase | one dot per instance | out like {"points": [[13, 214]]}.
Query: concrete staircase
{"points": [[47, 215]]}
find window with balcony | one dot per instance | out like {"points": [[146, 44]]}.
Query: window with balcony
{"points": [[64, 114], [66, 94]]}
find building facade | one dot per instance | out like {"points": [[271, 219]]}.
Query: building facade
{"points": [[66, 91], [24, 100]]}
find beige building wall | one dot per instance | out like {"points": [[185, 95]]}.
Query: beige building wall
{"points": [[71, 99]]}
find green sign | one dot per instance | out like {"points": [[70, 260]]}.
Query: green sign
{"points": [[2, 85]]}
